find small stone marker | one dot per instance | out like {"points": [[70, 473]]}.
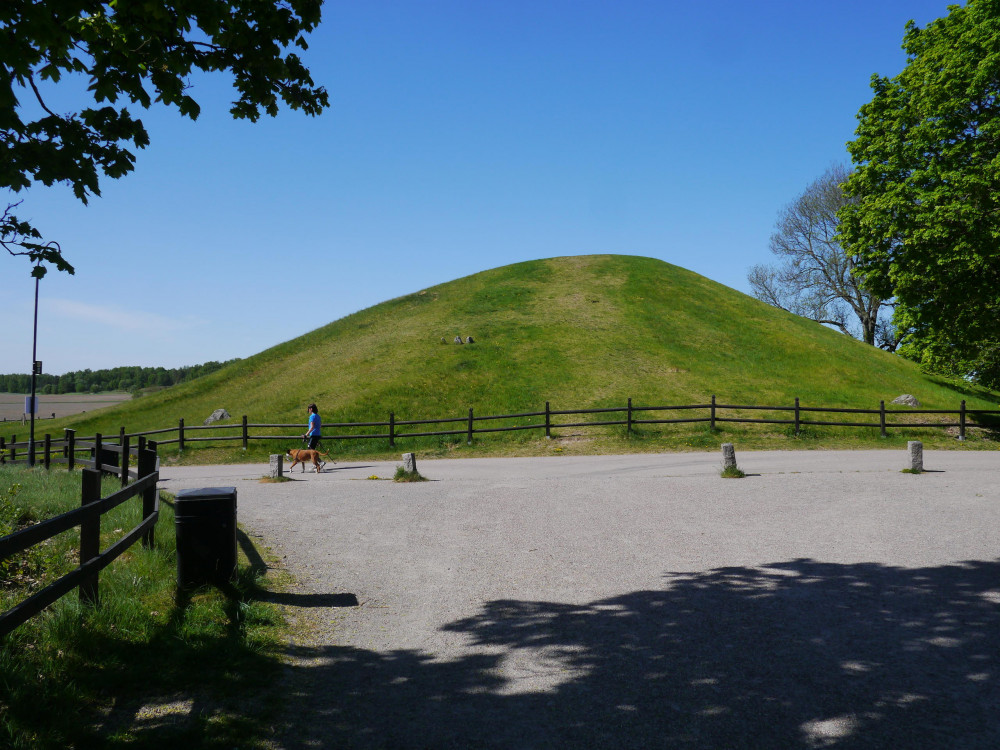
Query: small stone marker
{"points": [[277, 466], [916, 449], [410, 463], [458, 340], [728, 456]]}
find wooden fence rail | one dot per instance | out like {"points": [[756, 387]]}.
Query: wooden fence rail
{"points": [[471, 424], [88, 518]]}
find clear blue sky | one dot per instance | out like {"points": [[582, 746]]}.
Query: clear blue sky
{"points": [[461, 136]]}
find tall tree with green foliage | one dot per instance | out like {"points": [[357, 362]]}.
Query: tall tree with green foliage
{"points": [[125, 54], [924, 220]]}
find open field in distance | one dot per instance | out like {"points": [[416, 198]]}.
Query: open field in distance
{"points": [[62, 405]]}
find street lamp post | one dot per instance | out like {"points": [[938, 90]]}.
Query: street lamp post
{"points": [[34, 374]]}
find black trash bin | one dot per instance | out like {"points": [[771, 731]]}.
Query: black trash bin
{"points": [[205, 523]]}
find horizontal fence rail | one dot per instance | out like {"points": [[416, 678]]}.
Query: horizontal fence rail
{"points": [[88, 517], [115, 458]]}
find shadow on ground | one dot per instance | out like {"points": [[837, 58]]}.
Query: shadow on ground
{"points": [[799, 654]]}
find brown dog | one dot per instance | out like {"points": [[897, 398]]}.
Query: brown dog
{"points": [[302, 455]]}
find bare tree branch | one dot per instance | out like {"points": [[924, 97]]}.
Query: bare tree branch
{"points": [[814, 277]]}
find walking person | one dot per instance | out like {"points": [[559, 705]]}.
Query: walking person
{"points": [[313, 433]]}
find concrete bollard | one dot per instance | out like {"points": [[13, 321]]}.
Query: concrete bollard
{"points": [[916, 449], [728, 456], [277, 466], [410, 463]]}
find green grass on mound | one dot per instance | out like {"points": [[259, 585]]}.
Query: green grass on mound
{"points": [[578, 332]]}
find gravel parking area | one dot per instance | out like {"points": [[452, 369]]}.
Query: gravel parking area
{"points": [[826, 600]]}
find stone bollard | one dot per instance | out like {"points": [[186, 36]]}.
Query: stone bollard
{"points": [[916, 449], [277, 466], [728, 456], [410, 463]]}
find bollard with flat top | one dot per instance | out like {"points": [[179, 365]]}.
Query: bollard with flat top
{"points": [[728, 456], [277, 466], [410, 463], [916, 449]]}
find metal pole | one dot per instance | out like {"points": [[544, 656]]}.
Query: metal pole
{"points": [[34, 358]]}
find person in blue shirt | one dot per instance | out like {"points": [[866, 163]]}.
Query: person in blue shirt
{"points": [[315, 425]]}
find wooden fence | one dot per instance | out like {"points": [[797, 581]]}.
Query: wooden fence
{"points": [[88, 518], [23, 419], [547, 420]]}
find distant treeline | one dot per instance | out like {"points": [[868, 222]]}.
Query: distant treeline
{"points": [[117, 379]]}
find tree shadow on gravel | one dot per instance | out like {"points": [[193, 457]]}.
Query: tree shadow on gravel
{"points": [[798, 654]]}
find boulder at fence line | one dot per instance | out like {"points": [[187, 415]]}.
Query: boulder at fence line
{"points": [[217, 415], [906, 399], [458, 340], [469, 340]]}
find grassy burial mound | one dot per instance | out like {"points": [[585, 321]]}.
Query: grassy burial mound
{"points": [[579, 332]]}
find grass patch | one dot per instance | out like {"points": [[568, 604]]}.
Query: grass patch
{"points": [[147, 668], [402, 475], [912, 471], [732, 472]]}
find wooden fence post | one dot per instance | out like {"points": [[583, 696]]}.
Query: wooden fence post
{"points": [[246, 437], [90, 534], [125, 459], [628, 429], [961, 421], [712, 420], [180, 435], [3, 447], [47, 451], [142, 443], [146, 466], [470, 426], [13, 449], [797, 416], [881, 417], [548, 421], [70, 448], [98, 448], [392, 429]]}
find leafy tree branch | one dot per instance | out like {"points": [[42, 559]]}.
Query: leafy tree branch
{"points": [[139, 54]]}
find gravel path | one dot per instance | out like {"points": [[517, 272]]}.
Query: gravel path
{"points": [[827, 600]]}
